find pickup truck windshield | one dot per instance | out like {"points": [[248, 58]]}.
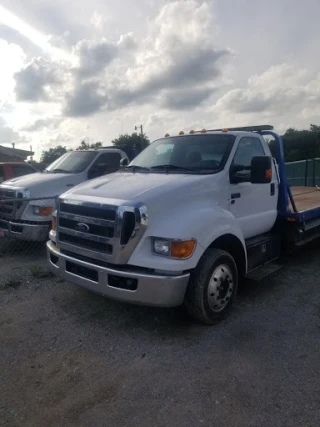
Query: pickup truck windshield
{"points": [[72, 162], [204, 153]]}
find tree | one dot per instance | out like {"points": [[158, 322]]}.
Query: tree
{"points": [[49, 156], [139, 142], [301, 144], [85, 146]]}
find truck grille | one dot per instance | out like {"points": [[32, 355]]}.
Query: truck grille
{"points": [[9, 203], [100, 231]]}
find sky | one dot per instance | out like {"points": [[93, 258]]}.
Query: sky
{"points": [[95, 69]]}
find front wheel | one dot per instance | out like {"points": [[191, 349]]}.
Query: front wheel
{"points": [[212, 287]]}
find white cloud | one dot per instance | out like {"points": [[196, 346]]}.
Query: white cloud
{"points": [[94, 56], [106, 67], [48, 123], [40, 80], [13, 58], [9, 135], [276, 94], [98, 20], [171, 57]]}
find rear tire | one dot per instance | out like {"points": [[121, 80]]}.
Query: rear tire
{"points": [[212, 287]]}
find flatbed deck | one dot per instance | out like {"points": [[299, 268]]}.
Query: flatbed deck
{"points": [[305, 198]]}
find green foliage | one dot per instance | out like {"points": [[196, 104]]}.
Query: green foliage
{"points": [[139, 141], [301, 144], [49, 156], [85, 146]]}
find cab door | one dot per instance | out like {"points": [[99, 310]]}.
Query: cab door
{"points": [[253, 205]]}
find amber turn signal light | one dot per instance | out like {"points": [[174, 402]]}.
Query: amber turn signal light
{"points": [[182, 249]]}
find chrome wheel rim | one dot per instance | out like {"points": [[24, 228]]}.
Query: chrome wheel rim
{"points": [[220, 288]]}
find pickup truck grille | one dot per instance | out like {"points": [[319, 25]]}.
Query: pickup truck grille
{"points": [[9, 203], [102, 232]]}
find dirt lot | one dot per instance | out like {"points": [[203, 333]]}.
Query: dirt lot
{"points": [[71, 358]]}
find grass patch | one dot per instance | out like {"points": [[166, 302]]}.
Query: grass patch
{"points": [[39, 272], [12, 282]]}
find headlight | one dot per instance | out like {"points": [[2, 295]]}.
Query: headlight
{"points": [[161, 247], [42, 210], [179, 249]]}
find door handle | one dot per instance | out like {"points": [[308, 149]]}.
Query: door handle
{"points": [[273, 189], [235, 196]]}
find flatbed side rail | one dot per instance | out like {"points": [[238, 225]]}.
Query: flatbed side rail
{"points": [[284, 190]]}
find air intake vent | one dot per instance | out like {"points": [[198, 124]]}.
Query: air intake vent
{"points": [[128, 224]]}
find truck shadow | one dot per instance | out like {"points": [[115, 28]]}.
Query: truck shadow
{"points": [[96, 311]]}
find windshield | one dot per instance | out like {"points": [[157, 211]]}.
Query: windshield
{"points": [[72, 162], [186, 154]]}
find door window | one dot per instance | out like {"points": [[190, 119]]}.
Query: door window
{"points": [[105, 163], [1, 174], [248, 148]]}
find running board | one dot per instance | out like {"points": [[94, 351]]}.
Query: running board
{"points": [[264, 271]]}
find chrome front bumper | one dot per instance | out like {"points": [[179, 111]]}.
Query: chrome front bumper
{"points": [[22, 231], [152, 290]]}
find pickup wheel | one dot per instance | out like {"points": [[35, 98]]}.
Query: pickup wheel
{"points": [[212, 287]]}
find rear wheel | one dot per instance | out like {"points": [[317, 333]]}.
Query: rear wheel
{"points": [[212, 287]]}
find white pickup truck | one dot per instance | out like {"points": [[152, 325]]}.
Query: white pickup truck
{"points": [[27, 202], [189, 217]]}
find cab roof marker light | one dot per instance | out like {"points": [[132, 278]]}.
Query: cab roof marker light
{"points": [[224, 129], [192, 131], [166, 135], [203, 130], [181, 132]]}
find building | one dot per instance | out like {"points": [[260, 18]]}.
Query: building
{"points": [[13, 154]]}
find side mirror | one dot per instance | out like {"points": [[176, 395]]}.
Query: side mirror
{"points": [[261, 170], [124, 162]]}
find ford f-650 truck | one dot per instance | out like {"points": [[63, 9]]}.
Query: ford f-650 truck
{"points": [[184, 222], [27, 202]]}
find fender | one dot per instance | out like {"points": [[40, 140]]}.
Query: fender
{"points": [[206, 224]]}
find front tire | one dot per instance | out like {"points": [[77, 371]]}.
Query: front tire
{"points": [[212, 287]]}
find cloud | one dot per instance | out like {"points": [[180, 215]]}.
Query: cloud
{"points": [[127, 42], [38, 80], [185, 99], [41, 124], [284, 94], [13, 36], [94, 56], [8, 135], [98, 20], [13, 59], [170, 58], [85, 99], [278, 88]]}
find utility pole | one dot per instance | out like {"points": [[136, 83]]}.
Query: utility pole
{"points": [[31, 152], [141, 129], [13, 144]]}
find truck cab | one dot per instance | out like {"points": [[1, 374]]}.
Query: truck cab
{"points": [[27, 202], [183, 223]]}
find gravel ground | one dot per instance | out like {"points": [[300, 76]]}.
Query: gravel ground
{"points": [[71, 358]]}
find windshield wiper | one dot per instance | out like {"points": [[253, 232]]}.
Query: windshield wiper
{"points": [[60, 171], [173, 167], [137, 168]]}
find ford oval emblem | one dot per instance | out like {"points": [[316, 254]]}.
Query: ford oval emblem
{"points": [[81, 226]]}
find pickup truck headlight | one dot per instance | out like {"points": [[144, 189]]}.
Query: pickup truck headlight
{"points": [[42, 210], [179, 249]]}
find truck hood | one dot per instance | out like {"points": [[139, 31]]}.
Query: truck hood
{"points": [[44, 184], [140, 187]]}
